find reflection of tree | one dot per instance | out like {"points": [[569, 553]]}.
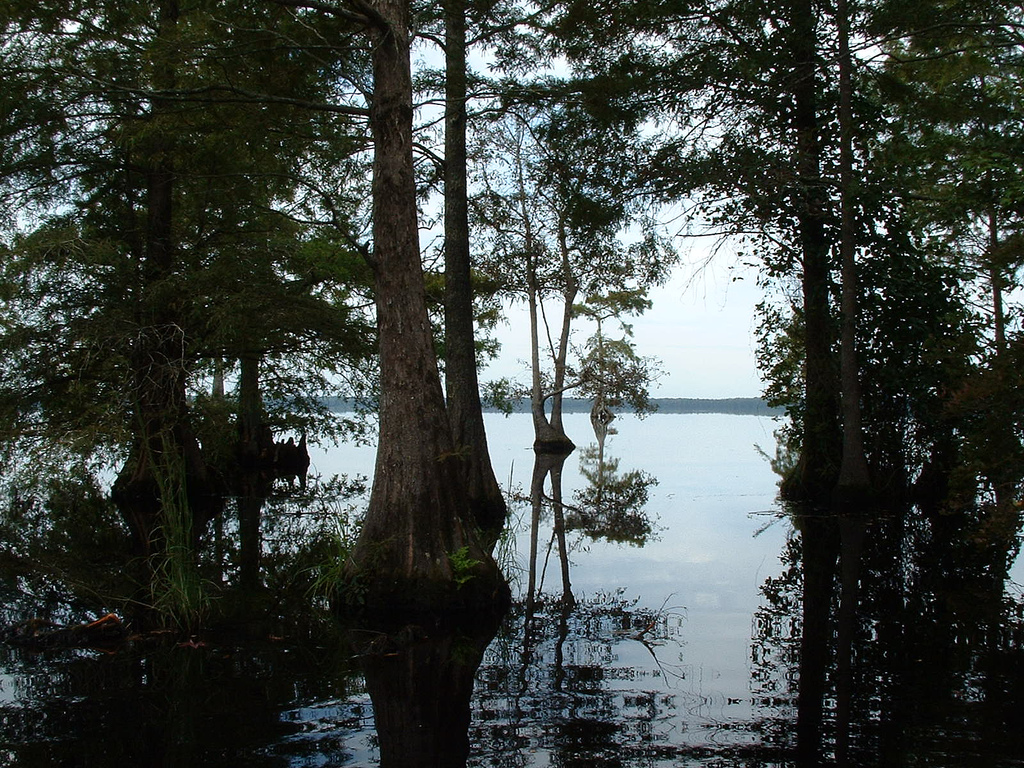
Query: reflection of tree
{"points": [[562, 689], [179, 707], [909, 649], [545, 466], [67, 551], [611, 506], [420, 680]]}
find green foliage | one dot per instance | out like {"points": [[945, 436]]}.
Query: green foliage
{"points": [[178, 591], [314, 530], [259, 129], [612, 373], [185, 190], [62, 546], [261, 259], [60, 521], [463, 565], [502, 394], [328, 578], [555, 221]]}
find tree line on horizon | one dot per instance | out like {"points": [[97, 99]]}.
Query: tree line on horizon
{"points": [[219, 195]]}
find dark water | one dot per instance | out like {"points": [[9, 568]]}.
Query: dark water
{"points": [[734, 636]]}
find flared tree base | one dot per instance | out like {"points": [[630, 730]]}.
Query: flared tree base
{"points": [[477, 589]]}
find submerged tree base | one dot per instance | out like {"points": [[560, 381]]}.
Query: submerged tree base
{"points": [[478, 588], [554, 446]]}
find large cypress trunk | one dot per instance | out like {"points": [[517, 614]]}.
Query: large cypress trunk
{"points": [[486, 502], [418, 548]]}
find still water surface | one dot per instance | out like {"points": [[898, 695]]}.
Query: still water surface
{"points": [[684, 651]]}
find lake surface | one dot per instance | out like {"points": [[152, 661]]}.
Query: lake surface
{"points": [[684, 651]]}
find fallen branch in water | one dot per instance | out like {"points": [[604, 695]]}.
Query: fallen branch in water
{"points": [[41, 633]]}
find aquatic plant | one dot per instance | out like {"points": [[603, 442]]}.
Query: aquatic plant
{"points": [[180, 595]]}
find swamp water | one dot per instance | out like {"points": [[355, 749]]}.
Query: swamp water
{"points": [[685, 651]]}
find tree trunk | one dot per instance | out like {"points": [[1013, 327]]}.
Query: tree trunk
{"points": [[570, 289], [165, 458], [815, 475], [547, 438], [996, 283], [253, 439], [854, 483], [217, 390], [486, 502], [418, 549]]}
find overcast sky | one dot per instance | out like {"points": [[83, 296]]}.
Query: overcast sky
{"points": [[701, 328]]}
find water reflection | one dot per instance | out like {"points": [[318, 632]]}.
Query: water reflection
{"points": [[420, 680], [547, 467], [217, 705], [609, 505], [898, 642], [590, 684], [892, 638]]}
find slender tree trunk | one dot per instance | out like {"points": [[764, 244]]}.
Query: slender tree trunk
{"points": [[570, 289], [540, 419], [547, 437], [996, 284], [217, 390], [854, 479], [1002, 521], [418, 525], [815, 476], [486, 502]]}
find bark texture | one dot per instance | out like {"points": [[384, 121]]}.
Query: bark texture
{"points": [[418, 548], [486, 502]]}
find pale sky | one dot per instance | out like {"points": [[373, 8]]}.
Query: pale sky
{"points": [[701, 328]]}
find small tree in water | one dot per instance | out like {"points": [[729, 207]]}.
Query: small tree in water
{"points": [[553, 215]]}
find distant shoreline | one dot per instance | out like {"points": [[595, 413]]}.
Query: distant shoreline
{"points": [[738, 406]]}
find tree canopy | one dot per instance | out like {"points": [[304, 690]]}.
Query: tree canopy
{"points": [[209, 192]]}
